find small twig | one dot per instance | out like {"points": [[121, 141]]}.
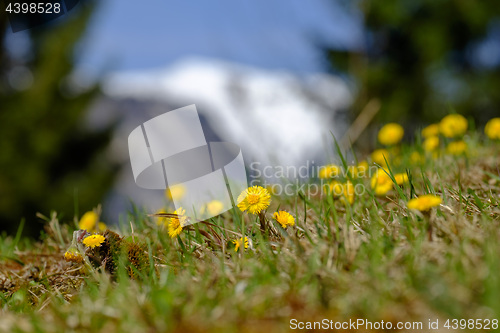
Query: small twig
{"points": [[132, 228], [227, 230], [360, 123], [215, 234], [428, 217]]}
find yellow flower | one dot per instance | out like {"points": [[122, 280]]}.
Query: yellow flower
{"points": [[174, 227], [431, 130], [284, 218], [93, 240], [101, 226], [254, 199], [88, 221], [456, 147], [213, 208], [378, 156], [416, 158], [343, 191], [274, 189], [72, 255], [492, 129], [329, 171], [453, 125], [176, 224], [424, 202], [239, 242], [362, 169], [358, 171], [390, 134], [348, 192], [401, 178], [175, 192], [431, 143], [352, 170], [381, 183], [334, 187]]}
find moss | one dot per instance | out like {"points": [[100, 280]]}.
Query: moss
{"points": [[138, 259], [109, 253]]}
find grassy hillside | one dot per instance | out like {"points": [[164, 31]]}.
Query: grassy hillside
{"points": [[370, 247]]}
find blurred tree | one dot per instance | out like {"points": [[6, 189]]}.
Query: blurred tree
{"points": [[423, 57], [48, 158]]}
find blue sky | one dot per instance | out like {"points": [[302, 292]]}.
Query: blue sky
{"points": [[277, 34]]}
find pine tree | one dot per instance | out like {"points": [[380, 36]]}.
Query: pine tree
{"points": [[420, 61], [49, 159]]}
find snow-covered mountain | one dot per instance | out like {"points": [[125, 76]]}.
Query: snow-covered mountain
{"points": [[274, 116], [277, 118]]}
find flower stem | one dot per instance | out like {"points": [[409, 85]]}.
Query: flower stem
{"points": [[428, 217], [262, 219]]}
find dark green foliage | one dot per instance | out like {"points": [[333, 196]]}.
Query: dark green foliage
{"points": [[420, 60], [48, 158]]}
